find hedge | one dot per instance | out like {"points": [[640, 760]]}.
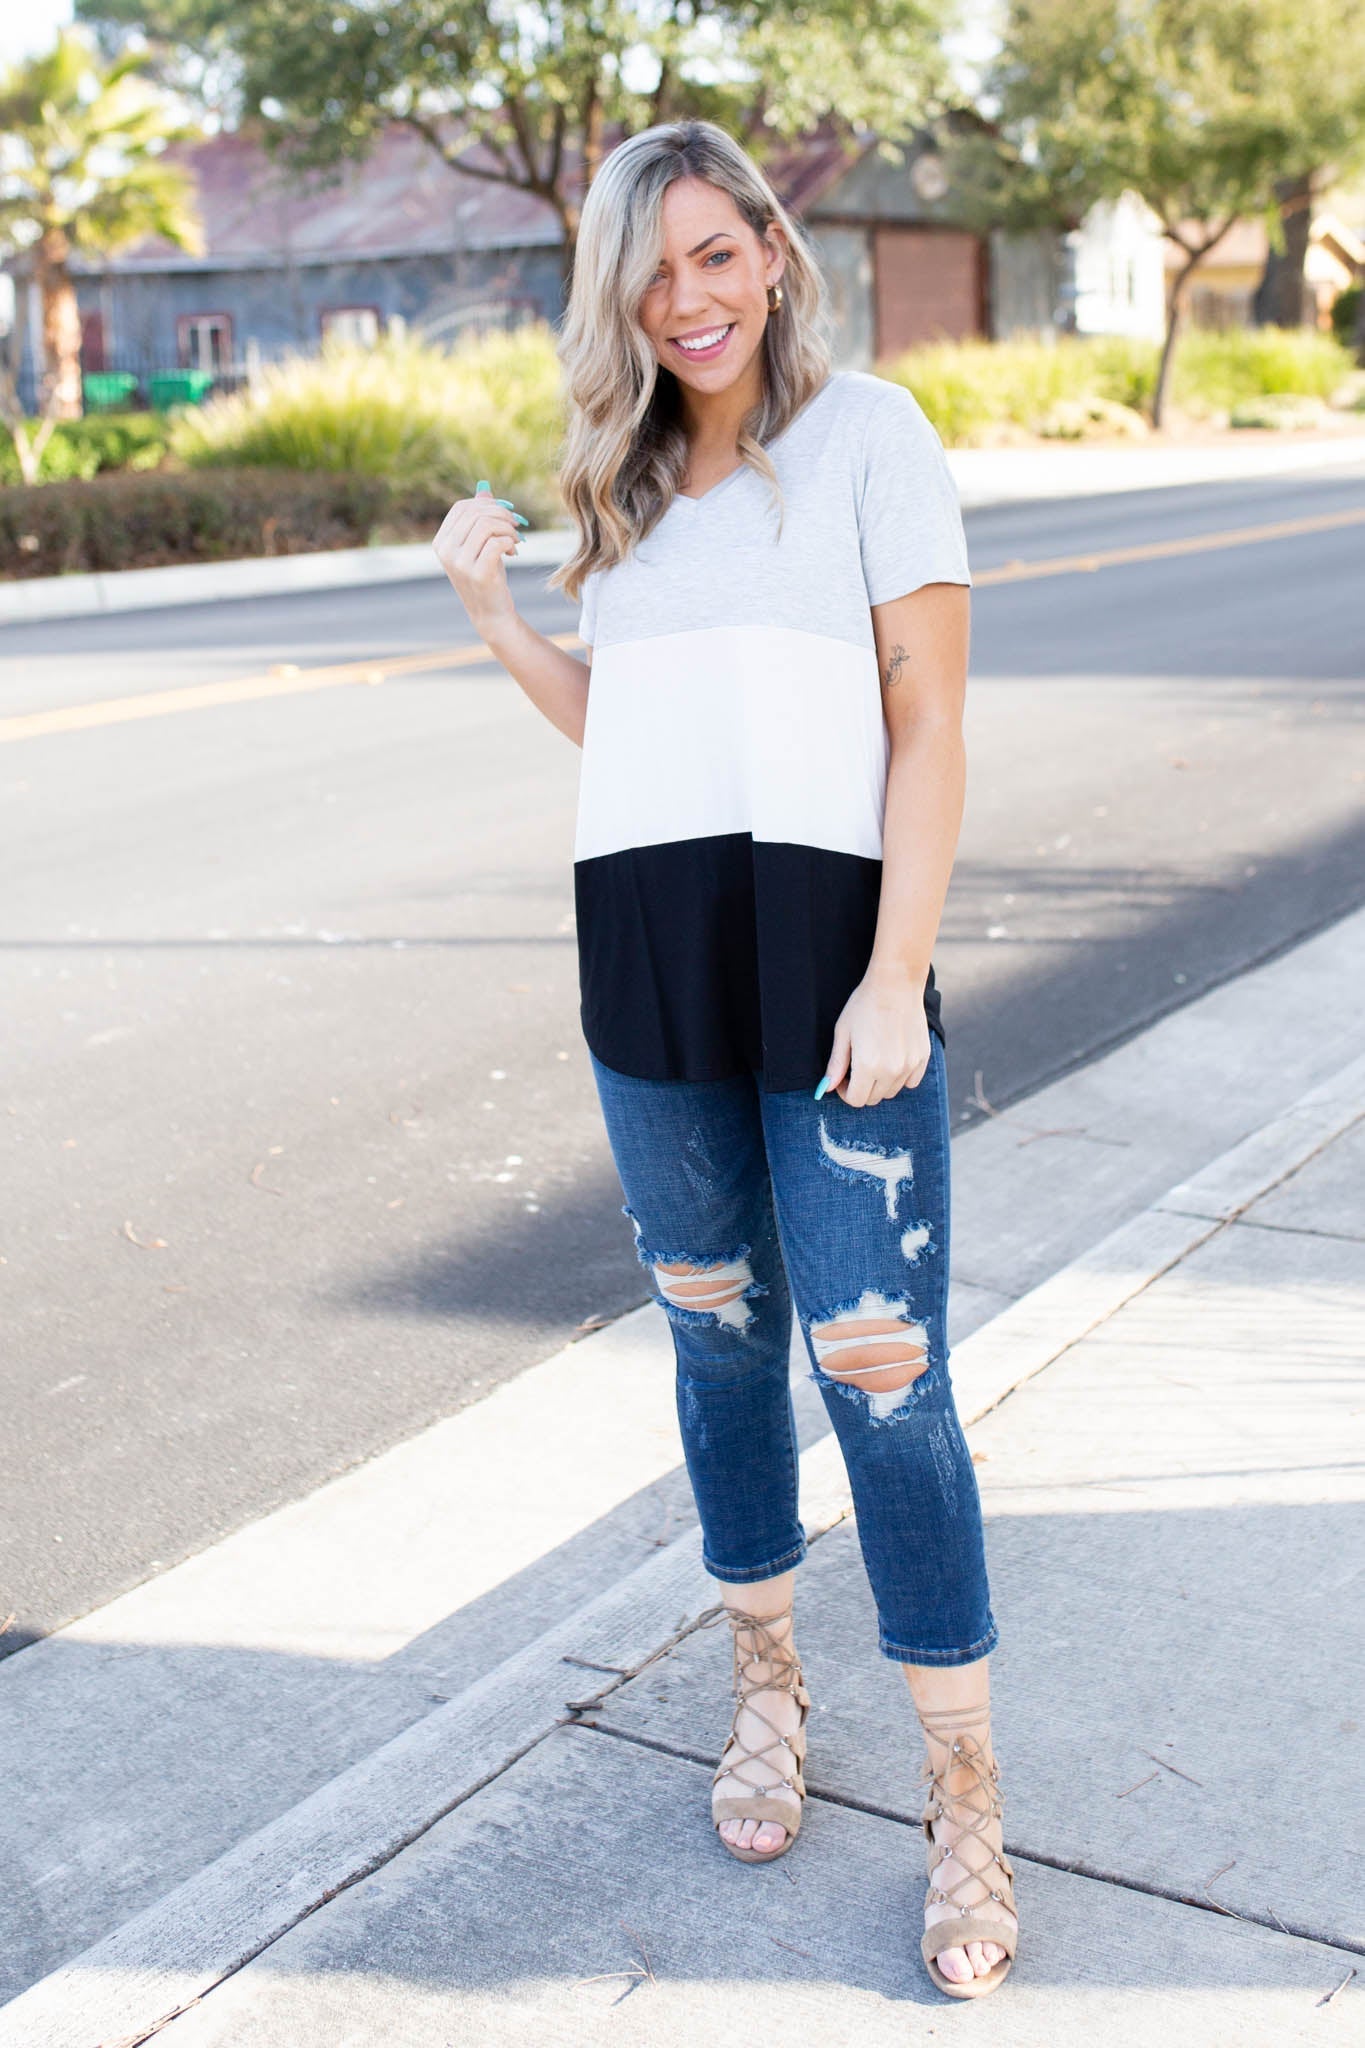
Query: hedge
{"points": [[139, 520], [972, 390], [100, 441]]}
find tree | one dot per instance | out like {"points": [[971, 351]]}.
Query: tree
{"points": [[545, 91], [1310, 56], [81, 168], [1164, 98]]}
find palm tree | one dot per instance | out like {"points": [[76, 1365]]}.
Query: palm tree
{"points": [[81, 168]]}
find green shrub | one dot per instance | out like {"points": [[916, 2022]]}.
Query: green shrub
{"points": [[134, 521], [1216, 371], [1091, 418], [970, 388], [423, 418], [101, 441], [1345, 315], [973, 389], [1123, 369], [1281, 411]]}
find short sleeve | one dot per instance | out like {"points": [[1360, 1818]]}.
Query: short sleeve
{"points": [[587, 615], [909, 519]]}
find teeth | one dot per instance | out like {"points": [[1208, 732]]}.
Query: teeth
{"points": [[706, 340]]}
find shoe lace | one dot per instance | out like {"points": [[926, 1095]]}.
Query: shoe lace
{"points": [[972, 1807], [762, 1649]]}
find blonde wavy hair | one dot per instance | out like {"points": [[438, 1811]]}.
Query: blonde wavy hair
{"points": [[625, 449]]}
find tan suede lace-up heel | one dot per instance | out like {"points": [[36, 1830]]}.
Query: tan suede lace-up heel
{"points": [[738, 1760], [987, 1877]]}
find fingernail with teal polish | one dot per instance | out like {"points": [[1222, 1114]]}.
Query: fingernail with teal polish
{"points": [[483, 484], [521, 519], [507, 502], [821, 1089]]}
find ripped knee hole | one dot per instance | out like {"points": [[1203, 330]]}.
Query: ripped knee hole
{"points": [[875, 1356], [876, 1347], [719, 1288]]}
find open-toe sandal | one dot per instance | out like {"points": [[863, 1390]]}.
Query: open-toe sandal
{"points": [[986, 1879], [762, 1771]]}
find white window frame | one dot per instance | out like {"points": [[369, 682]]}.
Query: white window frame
{"points": [[353, 326], [195, 334]]}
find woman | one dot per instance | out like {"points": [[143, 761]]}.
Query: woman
{"points": [[774, 597]]}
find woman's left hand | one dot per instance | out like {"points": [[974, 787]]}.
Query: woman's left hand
{"points": [[881, 1043]]}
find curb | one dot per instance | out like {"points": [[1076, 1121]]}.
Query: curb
{"points": [[984, 477], [167, 1957], [134, 590], [1009, 476]]}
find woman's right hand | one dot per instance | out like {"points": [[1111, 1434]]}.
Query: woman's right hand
{"points": [[475, 539]]}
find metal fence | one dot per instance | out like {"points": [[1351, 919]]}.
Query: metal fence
{"points": [[152, 380], [139, 385]]}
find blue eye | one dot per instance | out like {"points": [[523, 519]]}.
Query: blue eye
{"points": [[724, 255]]}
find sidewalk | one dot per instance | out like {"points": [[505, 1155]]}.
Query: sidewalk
{"points": [[984, 476], [1170, 1493]]}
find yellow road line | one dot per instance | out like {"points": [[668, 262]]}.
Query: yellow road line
{"points": [[284, 681], [1161, 550], [289, 682]]}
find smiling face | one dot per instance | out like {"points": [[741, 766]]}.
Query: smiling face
{"points": [[706, 307]]}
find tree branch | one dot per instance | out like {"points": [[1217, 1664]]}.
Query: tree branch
{"points": [[515, 108], [557, 144], [447, 153]]}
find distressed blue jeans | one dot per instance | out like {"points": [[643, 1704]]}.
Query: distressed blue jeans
{"points": [[746, 1203]]}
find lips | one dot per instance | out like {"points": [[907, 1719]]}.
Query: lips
{"points": [[703, 355]]}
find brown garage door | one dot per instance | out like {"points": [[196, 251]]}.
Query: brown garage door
{"points": [[929, 286]]}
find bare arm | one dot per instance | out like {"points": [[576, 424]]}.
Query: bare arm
{"points": [[477, 535], [881, 1041]]}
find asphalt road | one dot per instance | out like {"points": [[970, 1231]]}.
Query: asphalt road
{"points": [[304, 1151]]}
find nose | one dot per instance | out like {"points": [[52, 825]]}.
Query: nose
{"points": [[689, 301]]}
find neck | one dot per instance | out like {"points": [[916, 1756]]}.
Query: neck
{"points": [[712, 421]]}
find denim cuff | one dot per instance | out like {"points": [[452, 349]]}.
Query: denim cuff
{"points": [[901, 1655], [748, 1575]]}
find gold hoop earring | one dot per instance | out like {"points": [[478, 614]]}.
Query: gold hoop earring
{"points": [[774, 297]]}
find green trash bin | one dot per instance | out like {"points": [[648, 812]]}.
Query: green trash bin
{"points": [[178, 387], [108, 390]]}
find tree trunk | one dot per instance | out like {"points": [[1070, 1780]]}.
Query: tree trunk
{"points": [[1282, 296], [1173, 318], [61, 326]]}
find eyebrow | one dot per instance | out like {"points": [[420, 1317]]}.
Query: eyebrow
{"points": [[710, 238]]}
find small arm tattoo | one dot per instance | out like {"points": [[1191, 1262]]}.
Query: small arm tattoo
{"points": [[895, 661]]}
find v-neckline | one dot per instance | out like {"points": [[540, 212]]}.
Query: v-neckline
{"points": [[682, 497], [710, 492]]}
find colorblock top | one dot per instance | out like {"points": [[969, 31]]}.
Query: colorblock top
{"points": [[727, 861]]}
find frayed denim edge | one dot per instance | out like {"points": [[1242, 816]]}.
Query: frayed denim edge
{"points": [[650, 1257]]}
